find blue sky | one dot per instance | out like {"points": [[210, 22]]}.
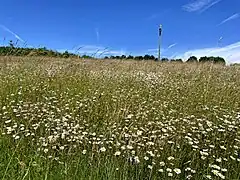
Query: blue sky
{"points": [[190, 27]]}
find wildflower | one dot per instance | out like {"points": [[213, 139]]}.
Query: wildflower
{"points": [[177, 171], [170, 158], [222, 147], [103, 149], [170, 174], [164, 130], [188, 169], [45, 150], [84, 151], [61, 148], [193, 171], [217, 173], [150, 153], [160, 170], [146, 158], [150, 167], [203, 157], [139, 133], [129, 147], [136, 160], [195, 147], [150, 143], [17, 137], [221, 176], [225, 159], [219, 160], [130, 116], [204, 153], [224, 170], [212, 146], [169, 170], [118, 153], [123, 147], [208, 176], [8, 121], [162, 164]]}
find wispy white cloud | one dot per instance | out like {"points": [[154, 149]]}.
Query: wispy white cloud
{"points": [[199, 5], [234, 16], [11, 32], [230, 52], [152, 51], [172, 45], [97, 34], [96, 51], [210, 5], [221, 38]]}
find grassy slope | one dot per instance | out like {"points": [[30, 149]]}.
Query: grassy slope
{"points": [[151, 109]]}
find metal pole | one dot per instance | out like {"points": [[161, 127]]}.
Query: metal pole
{"points": [[159, 42]]}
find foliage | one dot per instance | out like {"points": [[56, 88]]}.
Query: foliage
{"points": [[11, 50], [192, 59], [236, 64], [212, 59], [165, 59], [178, 60]]}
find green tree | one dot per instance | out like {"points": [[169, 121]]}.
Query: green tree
{"points": [[138, 58], [147, 57], [179, 60], [204, 59], [117, 57], [152, 57], [192, 59], [123, 57], [219, 60], [165, 59], [130, 57], [176, 60], [212, 59]]}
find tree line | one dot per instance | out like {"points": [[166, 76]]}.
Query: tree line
{"points": [[192, 59], [11, 50], [20, 51]]}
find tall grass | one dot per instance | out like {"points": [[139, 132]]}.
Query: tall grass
{"points": [[74, 119]]}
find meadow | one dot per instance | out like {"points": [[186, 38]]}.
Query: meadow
{"points": [[129, 120]]}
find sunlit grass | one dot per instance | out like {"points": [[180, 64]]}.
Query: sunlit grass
{"points": [[76, 119]]}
